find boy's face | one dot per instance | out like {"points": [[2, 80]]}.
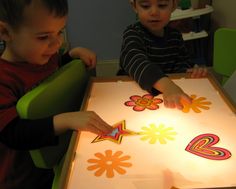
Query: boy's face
{"points": [[37, 39], [154, 14]]}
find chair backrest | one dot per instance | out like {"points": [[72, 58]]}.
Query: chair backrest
{"points": [[224, 52], [61, 92]]}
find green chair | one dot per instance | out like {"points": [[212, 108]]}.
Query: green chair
{"points": [[224, 53], [230, 86], [57, 174], [61, 92]]}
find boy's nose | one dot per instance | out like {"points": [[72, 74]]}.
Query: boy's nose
{"points": [[154, 11]]}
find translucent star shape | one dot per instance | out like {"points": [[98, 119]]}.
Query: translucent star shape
{"points": [[196, 105], [117, 134], [160, 133]]}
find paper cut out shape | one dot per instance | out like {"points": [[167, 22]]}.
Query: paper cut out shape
{"points": [[202, 146], [197, 104], [147, 101], [108, 163], [154, 133], [117, 134]]}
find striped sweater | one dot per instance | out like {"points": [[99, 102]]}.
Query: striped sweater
{"points": [[147, 58]]}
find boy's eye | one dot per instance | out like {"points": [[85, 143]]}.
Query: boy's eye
{"points": [[145, 5], [60, 32], [162, 6], [44, 37]]}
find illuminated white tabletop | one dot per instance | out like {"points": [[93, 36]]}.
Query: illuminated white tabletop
{"points": [[153, 147]]}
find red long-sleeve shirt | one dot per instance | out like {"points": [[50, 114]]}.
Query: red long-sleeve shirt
{"points": [[17, 136]]}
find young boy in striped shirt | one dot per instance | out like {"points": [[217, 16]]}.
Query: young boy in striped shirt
{"points": [[151, 49]]}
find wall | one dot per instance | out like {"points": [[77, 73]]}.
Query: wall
{"points": [[98, 25], [224, 14]]}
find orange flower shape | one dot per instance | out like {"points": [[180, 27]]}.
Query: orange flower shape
{"points": [[109, 163], [196, 105], [141, 103]]}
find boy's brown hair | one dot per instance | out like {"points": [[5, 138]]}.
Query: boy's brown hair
{"points": [[11, 11]]}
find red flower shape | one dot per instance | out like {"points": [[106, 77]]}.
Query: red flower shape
{"points": [[141, 103]]}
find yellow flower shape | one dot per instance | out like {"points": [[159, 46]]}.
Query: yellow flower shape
{"points": [[161, 134], [109, 163], [196, 105]]}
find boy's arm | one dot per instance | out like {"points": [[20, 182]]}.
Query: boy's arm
{"points": [[86, 55], [134, 61], [21, 134], [197, 71], [173, 95]]}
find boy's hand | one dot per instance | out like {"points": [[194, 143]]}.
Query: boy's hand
{"points": [[86, 55], [173, 95], [197, 71], [83, 121]]}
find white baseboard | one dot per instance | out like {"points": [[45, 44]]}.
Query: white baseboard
{"points": [[107, 68]]}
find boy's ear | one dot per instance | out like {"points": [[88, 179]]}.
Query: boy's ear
{"points": [[132, 3], [4, 31]]}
